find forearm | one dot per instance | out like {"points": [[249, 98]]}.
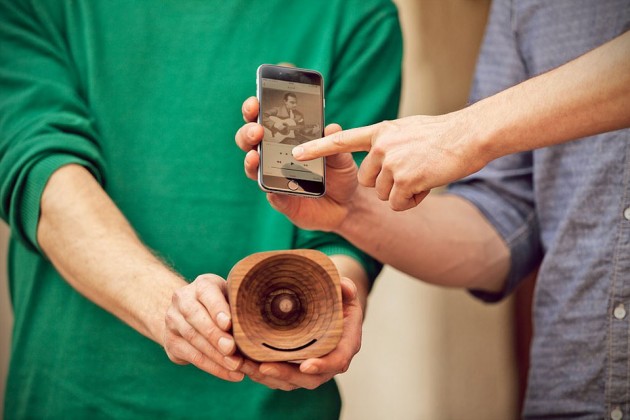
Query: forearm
{"points": [[586, 96], [444, 241], [95, 249]]}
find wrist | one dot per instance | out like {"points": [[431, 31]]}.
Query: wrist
{"points": [[502, 124], [482, 133], [357, 211], [154, 319], [353, 270]]}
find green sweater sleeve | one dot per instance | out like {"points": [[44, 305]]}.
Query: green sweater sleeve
{"points": [[44, 121], [363, 89]]}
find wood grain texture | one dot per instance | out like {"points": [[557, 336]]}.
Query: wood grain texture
{"points": [[285, 305]]}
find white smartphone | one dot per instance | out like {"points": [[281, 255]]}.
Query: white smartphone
{"points": [[291, 112]]}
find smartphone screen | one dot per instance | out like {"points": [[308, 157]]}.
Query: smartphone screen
{"points": [[291, 112]]}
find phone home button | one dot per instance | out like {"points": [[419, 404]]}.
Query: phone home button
{"points": [[293, 186]]}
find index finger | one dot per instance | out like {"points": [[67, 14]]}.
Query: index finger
{"points": [[354, 140]]}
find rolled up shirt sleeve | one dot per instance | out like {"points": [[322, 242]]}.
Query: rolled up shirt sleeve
{"points": [[503, 192], [44, 120]]}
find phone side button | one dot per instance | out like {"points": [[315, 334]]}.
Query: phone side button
{"points": [[293, 186]]}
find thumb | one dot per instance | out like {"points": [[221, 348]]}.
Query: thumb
{"points": [[348, 290]]}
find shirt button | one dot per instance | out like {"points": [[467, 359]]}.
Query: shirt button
{"points": [[626, 213], [616, 414], [620, 311]]}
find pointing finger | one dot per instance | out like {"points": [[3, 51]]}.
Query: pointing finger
{"points": [[355, 140]]}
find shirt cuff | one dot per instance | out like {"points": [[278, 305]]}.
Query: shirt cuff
{"points": [[28, 206], [519, 231]]}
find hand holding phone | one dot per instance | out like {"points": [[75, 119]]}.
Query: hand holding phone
{"points": [[291, 112], [327, 213]]}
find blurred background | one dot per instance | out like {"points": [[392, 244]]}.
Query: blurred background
{"points": [[428, 353]]}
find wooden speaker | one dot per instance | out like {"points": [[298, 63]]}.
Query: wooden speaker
{"points": [[285, 305]]}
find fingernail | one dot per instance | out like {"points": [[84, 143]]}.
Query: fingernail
{"points": [[298, 151], [223, 320], [226, 345], [270, 371], [310, 369], [233, 363], [251, 133], [237, 376]]}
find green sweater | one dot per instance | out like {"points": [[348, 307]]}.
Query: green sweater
{"points": [[147, 95]]}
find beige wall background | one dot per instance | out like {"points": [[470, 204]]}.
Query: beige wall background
{"points": [[428, 353]]}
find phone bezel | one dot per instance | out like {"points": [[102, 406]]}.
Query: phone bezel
{"points": [[281, 184]]}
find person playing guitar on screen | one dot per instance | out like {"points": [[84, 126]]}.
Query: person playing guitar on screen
{"points": [[285, 124]]}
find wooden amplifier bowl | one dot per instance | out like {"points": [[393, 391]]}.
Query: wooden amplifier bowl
{"points": [[285, 305]]}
